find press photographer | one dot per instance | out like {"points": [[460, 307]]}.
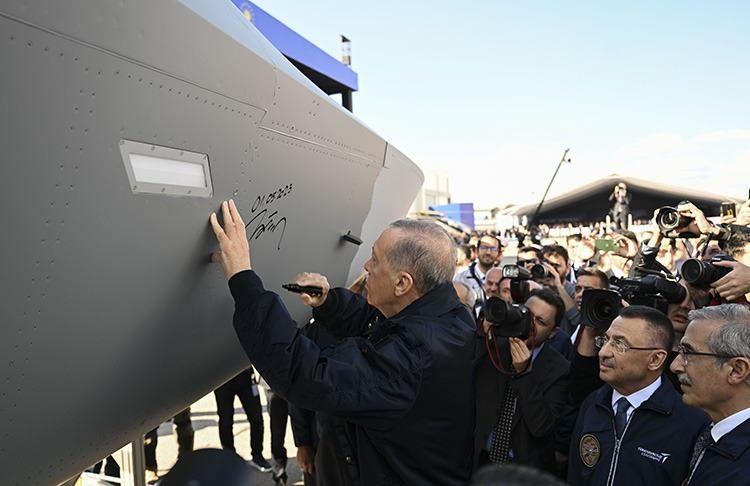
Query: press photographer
{"points": [[586, 279], [520, 382], [621, 208], [728, 273]]}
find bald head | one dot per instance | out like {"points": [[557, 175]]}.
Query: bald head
{"points": [[424, 250]]}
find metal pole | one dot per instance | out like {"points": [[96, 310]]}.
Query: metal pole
{"points": [[534, 218], [346, 99]]}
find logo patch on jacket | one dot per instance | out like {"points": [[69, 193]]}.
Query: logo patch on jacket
{"points": [[660, 457], [589, 450]]}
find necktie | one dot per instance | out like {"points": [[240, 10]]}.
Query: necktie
{"points": [[704, 440], [621, 415], [500, 447]]}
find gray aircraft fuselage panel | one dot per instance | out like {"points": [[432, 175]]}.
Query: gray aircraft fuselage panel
{"points": [[112, 318]]}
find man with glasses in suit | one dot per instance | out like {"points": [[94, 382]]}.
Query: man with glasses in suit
{"points": [[713, 366], [635, 429]]}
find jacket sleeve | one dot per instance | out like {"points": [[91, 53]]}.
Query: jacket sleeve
{"points": [[584, 376], [345, 313], [365, 382], [303, 426], [540, 407]]}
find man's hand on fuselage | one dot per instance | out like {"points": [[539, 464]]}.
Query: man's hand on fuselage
{"points": [[234, 250]]}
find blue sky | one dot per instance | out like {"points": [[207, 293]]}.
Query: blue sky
{"points": [[659, 90]]}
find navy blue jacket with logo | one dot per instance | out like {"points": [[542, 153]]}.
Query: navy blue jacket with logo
{"points": [[404, 384], [727, 462], [655, 448]]}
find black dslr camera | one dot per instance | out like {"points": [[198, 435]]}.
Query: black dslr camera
{"points": [[599, 307], [703, 273], [519, 281], [508, 320], [650, 290], [669, 218]]}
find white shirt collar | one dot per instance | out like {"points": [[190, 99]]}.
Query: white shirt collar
{"points": [[728, 424], [637, 398]]}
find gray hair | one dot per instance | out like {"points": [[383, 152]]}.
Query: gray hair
{"points": [[732, 338], [427, 252], [721, 314]]}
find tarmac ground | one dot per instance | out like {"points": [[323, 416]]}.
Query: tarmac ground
{"points": [[206, 425]]}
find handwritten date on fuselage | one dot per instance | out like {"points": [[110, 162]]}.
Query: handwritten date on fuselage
{"points": [[266, 199], [264, 220]]}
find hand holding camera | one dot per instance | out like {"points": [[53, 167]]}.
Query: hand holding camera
{"points": [[520, 355], [686, 220], [735, 282]]}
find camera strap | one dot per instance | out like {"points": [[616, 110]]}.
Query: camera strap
{"points": [[473, 275], [493, 350]]}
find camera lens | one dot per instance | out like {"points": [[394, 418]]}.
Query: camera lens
{"points": [[600, 307], [692, 270], [703, 274], [539, 271], [667, 218], [602, 310]]}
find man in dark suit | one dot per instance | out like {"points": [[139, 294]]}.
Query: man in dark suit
{"points": [[634, 430], [516, 406], [713, 366]]}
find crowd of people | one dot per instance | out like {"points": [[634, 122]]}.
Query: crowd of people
{"points": [[619, 359], [617, 402]]}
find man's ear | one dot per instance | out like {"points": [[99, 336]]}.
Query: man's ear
{"points": [[657, 360], [739, 372], [404, 283]]}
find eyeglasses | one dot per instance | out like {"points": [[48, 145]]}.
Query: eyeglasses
{"points": [[492, 249], [619, 345], [684, 353]]}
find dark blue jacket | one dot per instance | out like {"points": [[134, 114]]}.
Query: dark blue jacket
{"points": [[727, 462], [404, 383], [655, 448]]}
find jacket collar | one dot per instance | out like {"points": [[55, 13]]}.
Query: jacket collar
{"points": [[438, 301], [662, 401], [733, 444]]}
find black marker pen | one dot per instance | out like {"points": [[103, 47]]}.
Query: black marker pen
{"points": [[303, 289]]}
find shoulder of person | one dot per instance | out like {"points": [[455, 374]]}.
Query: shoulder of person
{"points": [[462, 275], [551, 364], [691, 416]]}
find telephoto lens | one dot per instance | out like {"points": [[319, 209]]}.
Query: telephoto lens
{"points": [[508, 320], [669, 289], [702, 274], [599, 307], [668, 219]]}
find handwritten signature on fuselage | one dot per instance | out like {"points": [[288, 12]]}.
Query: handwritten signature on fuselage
{"points": [[265, 221]]}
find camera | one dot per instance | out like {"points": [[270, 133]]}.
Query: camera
{"points": [[653, 291], [516, 272], [519, 285], [539, 272], [508, 320], [599, 307], [669, 219], [701, 273]]}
